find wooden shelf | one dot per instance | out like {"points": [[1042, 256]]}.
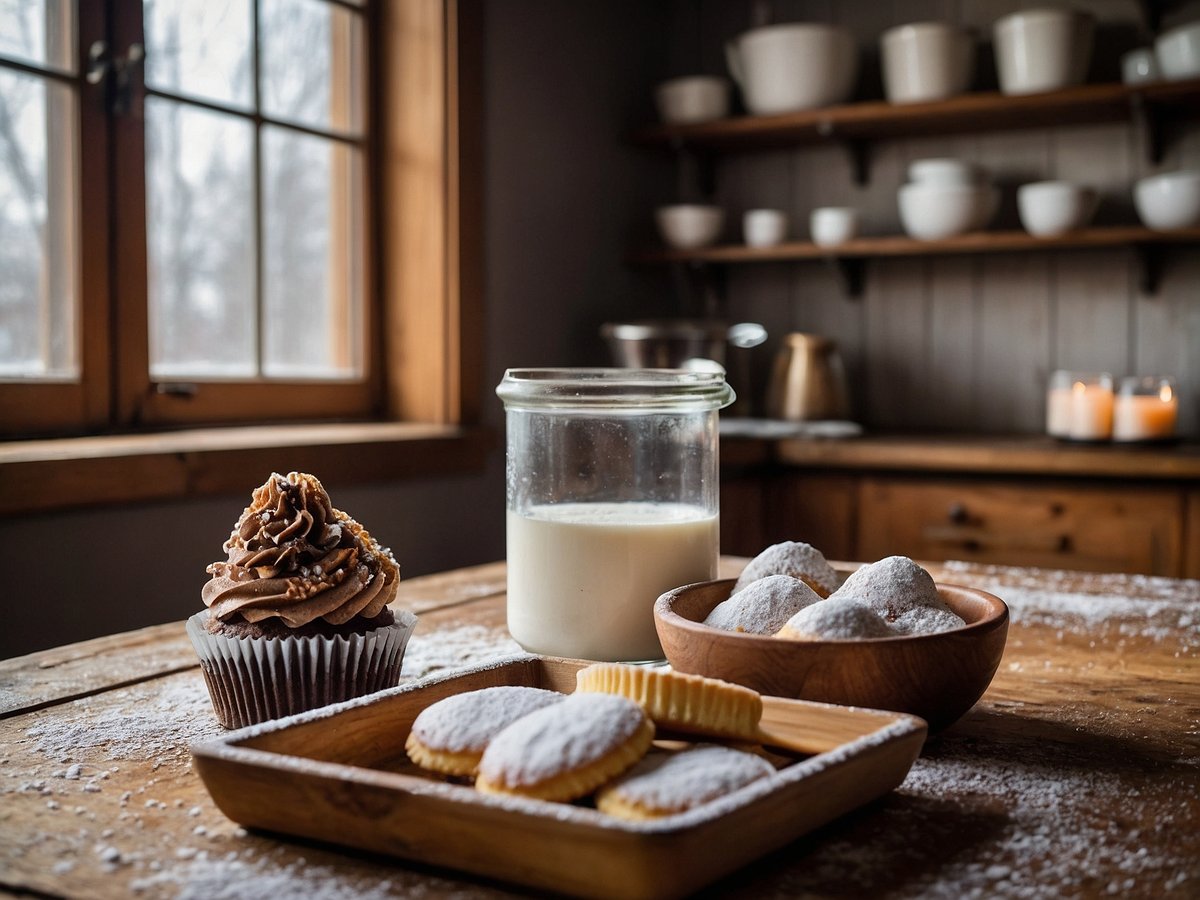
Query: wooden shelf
{"points": [[966, 113], [850, 256], [896, 245]]}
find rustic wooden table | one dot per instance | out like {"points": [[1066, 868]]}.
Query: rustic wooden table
{"points": [[1077, 774]]}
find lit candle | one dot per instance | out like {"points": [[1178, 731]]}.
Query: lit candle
{"points": [[1091, 411], [1145, 416]]}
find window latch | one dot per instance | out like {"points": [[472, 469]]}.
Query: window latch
{"points": [[102, 64]]}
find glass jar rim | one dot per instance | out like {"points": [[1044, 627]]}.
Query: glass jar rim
{"points": [[615, 389]]}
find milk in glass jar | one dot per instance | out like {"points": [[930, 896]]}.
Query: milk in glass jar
{"points": [[612, 499]]}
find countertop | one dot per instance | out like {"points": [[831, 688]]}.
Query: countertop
{"points": [[1076, 774]]}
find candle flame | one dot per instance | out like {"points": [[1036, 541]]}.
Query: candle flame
{"points": [[1079, 387], [1164, 393]]}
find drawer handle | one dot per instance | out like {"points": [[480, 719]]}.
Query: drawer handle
{"points": [[957, 513]]}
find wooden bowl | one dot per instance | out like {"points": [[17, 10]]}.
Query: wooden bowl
{"points": [[935, 676]]}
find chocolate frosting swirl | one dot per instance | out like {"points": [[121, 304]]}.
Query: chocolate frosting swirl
{"points": [[293, 556]]}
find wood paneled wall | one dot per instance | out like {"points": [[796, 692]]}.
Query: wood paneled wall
{"points": [[961, 344]]}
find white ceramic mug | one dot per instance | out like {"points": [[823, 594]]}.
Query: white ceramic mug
{"points": [[764, 227], [1177, 52], [786, 68], [926, 61], [1049, 208], [1043, 49], [833, 225]]}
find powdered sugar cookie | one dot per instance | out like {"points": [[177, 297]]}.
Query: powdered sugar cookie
{"points": [[450, 736], [762, 606], [892, 587], [795, 558], [566, 750], [836, 619], [664, 784]]}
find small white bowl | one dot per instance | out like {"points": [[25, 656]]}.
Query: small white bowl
{"points": [[932, 212], [833, 225], [1043, 49], [1169, 201], [925, 61], [692, 99], [764, 227], [689, 226], [1049, 208], [945, 171], [1178, 52]]}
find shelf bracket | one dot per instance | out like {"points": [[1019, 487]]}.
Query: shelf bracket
{"points": [[696, 171], [1149, 267], [1153, 121], [859, 153], [851, 272], [703, 288]]}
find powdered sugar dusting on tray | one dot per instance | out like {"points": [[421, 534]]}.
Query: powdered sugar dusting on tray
{"points": [[455, 648], [1098, 606]]}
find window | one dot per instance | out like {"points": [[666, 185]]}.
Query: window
{"points": [[192, 236]]}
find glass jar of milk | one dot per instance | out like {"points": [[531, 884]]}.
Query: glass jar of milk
{"points": [[612, 499]]}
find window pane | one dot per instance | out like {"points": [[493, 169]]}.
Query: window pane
{"points": [[313, 240], [41, 32], [38, 229], [200, 240], [201, 48], [312, 60]]}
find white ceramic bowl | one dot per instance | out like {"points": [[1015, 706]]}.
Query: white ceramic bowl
{"points": [[1169, 201], [1178, 52], [945, 171], [932, 212], [764, 227], [1049, 208], [833, 225], [689, 226], [1043, 49], [694, 98], [926, 61], [795, 66]]}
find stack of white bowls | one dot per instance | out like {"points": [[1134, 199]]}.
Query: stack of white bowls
{"points": [[946, 197]]}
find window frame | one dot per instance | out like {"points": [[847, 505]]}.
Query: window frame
{"points": [[430, 335], [422, 278]]}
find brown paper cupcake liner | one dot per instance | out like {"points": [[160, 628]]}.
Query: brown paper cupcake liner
{"points": [[254, 679]]}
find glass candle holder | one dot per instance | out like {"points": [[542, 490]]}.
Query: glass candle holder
{"points": [[1145, 409], [1079, 406], [612, 499]]}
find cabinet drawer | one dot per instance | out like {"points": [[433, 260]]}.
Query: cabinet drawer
{"points": [[1098, 529]]}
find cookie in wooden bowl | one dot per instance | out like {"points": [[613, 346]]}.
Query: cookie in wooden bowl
{"points": [[936, 676]]}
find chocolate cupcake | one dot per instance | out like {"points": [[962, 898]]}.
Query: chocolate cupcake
{"points": [[298, 612]]}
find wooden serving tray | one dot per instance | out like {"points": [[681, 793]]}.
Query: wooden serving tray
{"points": [[340, 774]]}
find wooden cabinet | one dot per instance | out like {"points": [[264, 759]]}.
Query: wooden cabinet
{"points": [[1088, 528], [1023, 501]]}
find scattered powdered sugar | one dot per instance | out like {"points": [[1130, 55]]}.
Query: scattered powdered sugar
{"points": [[763, 606], [1098, 606], [466, 722], [793, 558], [252, 879], [667, 783], [455, 648], [165, 720], [576, 731]]}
